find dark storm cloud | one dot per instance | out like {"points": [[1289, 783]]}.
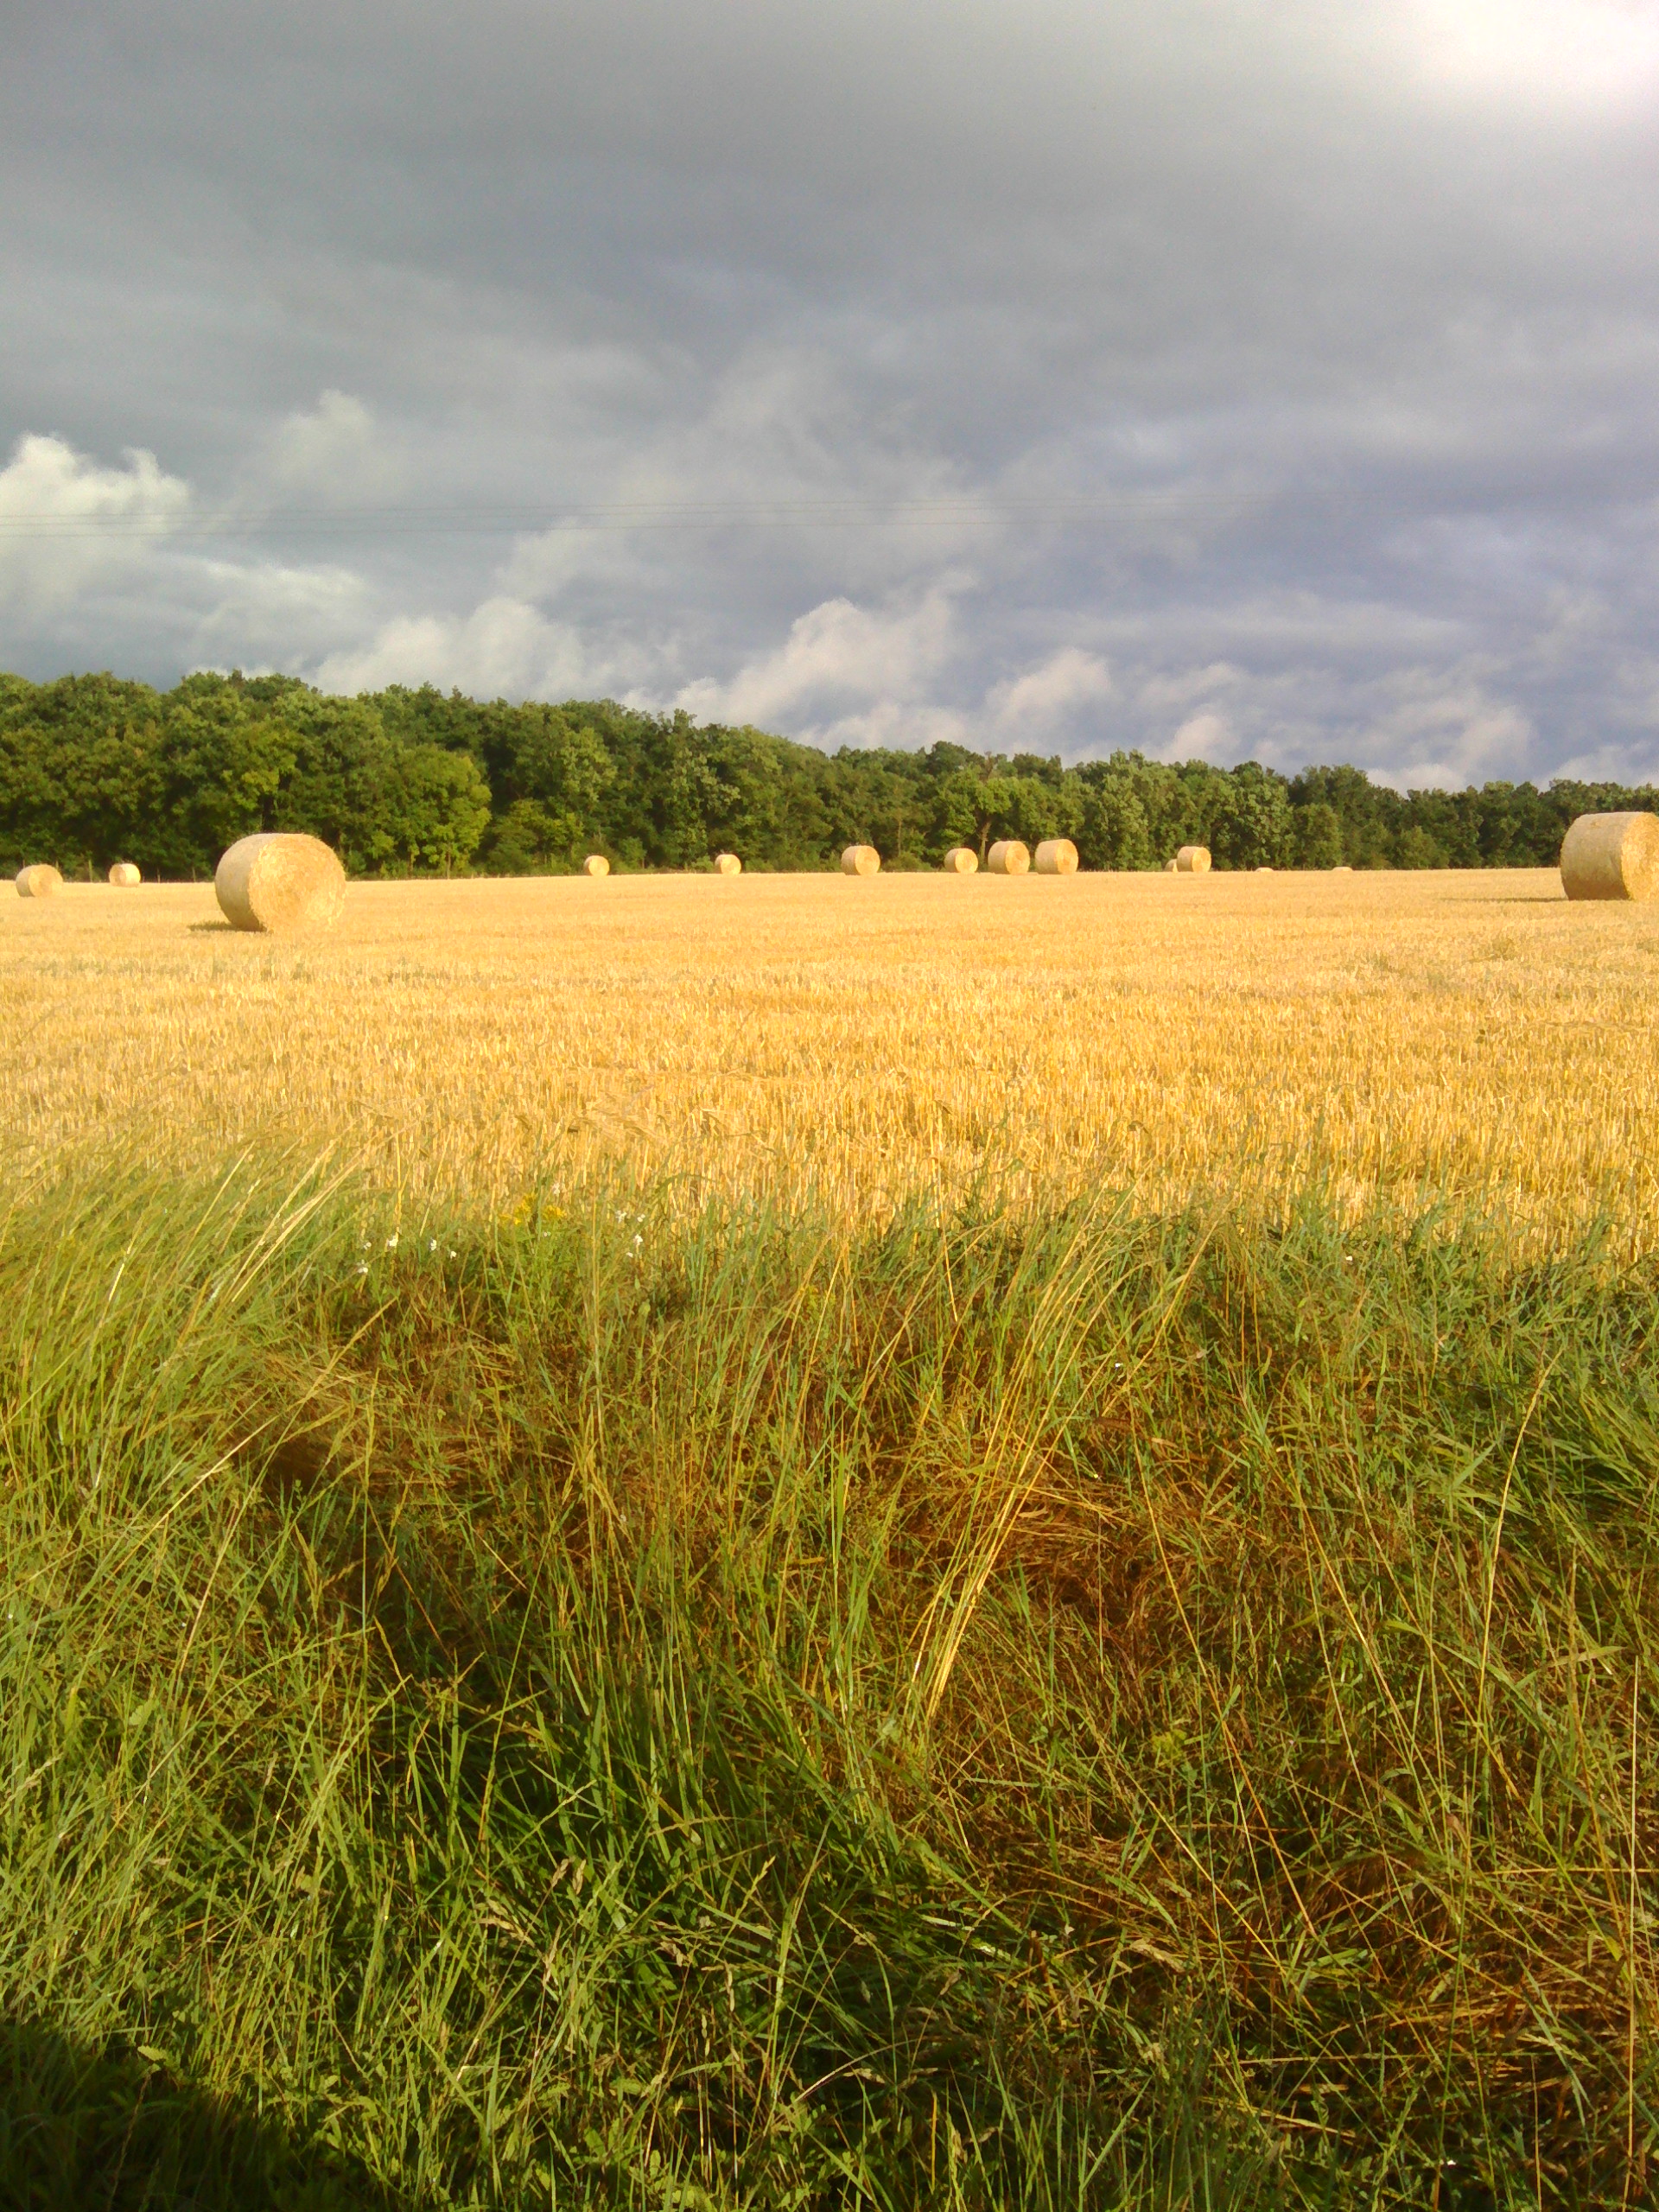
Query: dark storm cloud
{"points": [[1222, 378]]}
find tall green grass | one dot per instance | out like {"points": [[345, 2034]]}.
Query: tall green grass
{"points": [[602, 1710]]}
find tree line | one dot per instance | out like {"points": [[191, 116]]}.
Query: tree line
{"points": [[95, 769]]}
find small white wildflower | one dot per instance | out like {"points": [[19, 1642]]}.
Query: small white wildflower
{"points": [[454, 1256], [431, 1243], [363, 1267], [392, 1244]]}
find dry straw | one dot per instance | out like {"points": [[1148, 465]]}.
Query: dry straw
{"points": [[1057, 856], [124, 875], [1612, 856], [1192, 860], [727, 864], [38, 881], [961, 860], [1009, 857], [860, 859], [279, 884], [595, 864]]}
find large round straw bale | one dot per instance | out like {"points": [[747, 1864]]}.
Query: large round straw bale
{"points": [[1612, 856], [1172, 867], [595, 864], [124, 875], [1057, 856], [860, 860], [38, 881], [1009, 857], [280, 883], [961, 860], [1192, 860], [727, 864]]}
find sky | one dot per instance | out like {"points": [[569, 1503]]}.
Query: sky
{"points": [[1229, 378]]}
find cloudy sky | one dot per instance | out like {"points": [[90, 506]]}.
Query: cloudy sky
{"points": [[1272, 378]]}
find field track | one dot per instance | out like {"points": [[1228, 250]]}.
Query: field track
{"points": [[1465, 1036]]}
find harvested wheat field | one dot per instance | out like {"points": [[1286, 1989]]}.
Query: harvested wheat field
{"points": [[1463, 1036]]}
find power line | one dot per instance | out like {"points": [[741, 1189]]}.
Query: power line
{"points": [[622, 516]]}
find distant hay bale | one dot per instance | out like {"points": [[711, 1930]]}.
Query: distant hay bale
{"points": [[1264, 870], [727, 864], [860, 860], [1057, 856], [1342, 868], [1612, 856], [279, 884], [595, 864], [1009, 857], [38, 881], [1192, 860], [124, 875], [1172, 867], [961, 860]]}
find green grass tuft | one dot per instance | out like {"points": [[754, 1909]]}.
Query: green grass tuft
{"points": [[602, 1709]]}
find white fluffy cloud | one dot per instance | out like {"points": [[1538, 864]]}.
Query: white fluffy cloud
{"points": [[70, 529], [838, 656], [503, 648], [1045, 701], [126, 557], [331, 454]]}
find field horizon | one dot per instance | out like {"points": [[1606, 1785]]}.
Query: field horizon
{"points": [[1466, 1038]]}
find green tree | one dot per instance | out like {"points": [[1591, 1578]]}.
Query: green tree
{"points": [[1415, 847], [82, 776], [531, 839], [343, 785], [1316, 840], [437, 807], [1115, 832], [229, 761], [1251, 824], [94, 769]]}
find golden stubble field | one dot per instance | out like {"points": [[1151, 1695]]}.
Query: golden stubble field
{"points": [[1466, 1036]]}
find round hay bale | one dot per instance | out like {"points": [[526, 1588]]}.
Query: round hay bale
{"points": [[1342, 868], [1009, 857], [1612, 856], [961, 860], [1192, 860], [38, 881], [1264, 870], [727, 864], [1057, 856], [279, 884], [124, 875], [860, 860], [1172, 867], [595, 864]]}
